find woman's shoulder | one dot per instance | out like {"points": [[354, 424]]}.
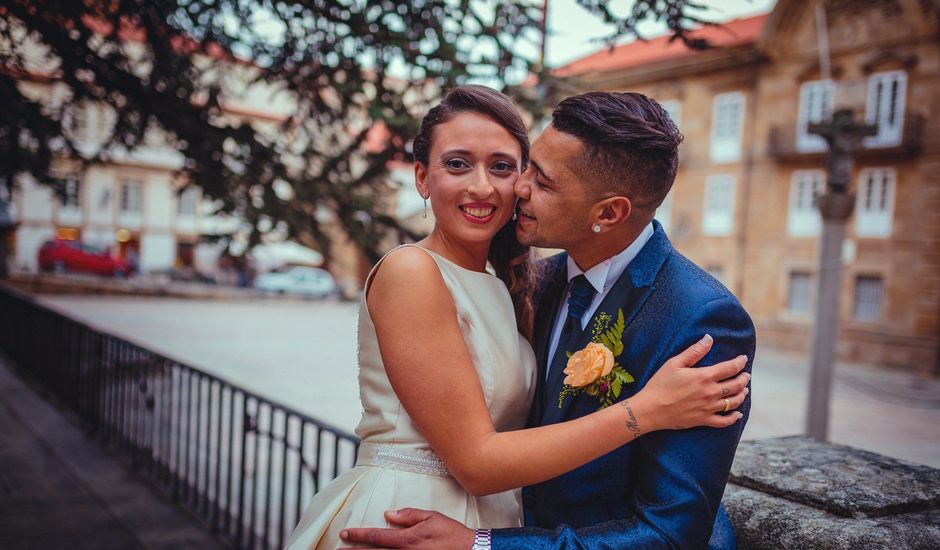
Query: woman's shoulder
{"points": [[405, 269], [407, 260], [407, 284]]}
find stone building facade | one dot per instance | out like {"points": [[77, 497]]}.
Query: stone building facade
{"points": [[743, 206]]}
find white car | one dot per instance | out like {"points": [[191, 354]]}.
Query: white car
{"points": [[311, 282]]}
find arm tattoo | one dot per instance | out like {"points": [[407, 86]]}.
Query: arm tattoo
{"points": [[632, 424]]}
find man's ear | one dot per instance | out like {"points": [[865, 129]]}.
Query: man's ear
{"points": [[421, 180], [613, 211]]}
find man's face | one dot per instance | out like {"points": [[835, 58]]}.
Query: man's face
{"points": [[554, 206]]}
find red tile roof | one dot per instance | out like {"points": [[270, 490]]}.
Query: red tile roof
{"points": [[737, 32]]}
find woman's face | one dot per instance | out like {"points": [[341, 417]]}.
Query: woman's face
{"points": [[472, 167]]}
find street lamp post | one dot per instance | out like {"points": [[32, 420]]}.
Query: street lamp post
{"points": [[844, 137]]}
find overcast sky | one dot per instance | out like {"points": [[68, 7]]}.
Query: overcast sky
{"points": [[572, 28]]}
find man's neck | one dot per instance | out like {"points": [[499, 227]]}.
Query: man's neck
{"points": [[601, 247]]}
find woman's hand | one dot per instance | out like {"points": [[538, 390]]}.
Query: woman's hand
{"points": [[679, 396]]}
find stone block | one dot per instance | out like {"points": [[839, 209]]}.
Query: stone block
{"points": [[796, 492]]}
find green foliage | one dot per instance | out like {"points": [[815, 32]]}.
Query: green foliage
{"points": [[565, 392], [621, 376], [612, 338], [344, 67], [680, 16]]}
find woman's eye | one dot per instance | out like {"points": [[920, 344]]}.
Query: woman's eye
{"points": [[503, 166], [456, 164]]}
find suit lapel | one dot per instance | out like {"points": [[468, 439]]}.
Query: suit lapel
{"points": [[548, 301], [629, 293]]}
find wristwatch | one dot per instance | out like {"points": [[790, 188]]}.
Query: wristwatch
{"points": [[482, 540]]}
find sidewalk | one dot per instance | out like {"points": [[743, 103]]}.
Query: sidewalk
{"points": [[60, 489], [152, 286]]}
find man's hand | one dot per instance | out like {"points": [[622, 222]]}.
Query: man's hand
{"points": [[419, 530]]}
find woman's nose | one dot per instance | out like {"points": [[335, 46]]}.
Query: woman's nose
{"points": [[480, 185]]}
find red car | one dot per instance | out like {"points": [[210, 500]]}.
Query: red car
{"points": [[60, 255]]}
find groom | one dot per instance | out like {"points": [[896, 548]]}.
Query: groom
{"points": [[595, 179]]}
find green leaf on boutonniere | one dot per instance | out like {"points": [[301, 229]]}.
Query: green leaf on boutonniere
{"points": [[609, 343], [621, 375], [565, 392], [616, 386], [614, 335]]}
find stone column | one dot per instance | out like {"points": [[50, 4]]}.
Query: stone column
{"points": [[844, 137]]}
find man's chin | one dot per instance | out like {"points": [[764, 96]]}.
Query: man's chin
{"points": [[524, 237], [532, 239]]}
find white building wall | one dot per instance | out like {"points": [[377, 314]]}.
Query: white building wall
{"points": [[187, 225], [28, 240], [102, 197], [69, 217], [157, 251], [159, 202], [132, 220], [37, 201]]}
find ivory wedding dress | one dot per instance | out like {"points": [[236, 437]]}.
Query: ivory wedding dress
{"points": [[396, 467]]}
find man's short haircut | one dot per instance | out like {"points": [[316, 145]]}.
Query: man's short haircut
{"points": [[631, 146]]}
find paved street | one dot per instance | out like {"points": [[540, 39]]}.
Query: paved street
{"points": [[62, 490], [303, 354]]}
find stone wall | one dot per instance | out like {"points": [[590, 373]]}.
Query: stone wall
{"points": [[798, 493]]}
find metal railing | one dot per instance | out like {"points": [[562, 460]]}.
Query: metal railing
{"points": [[244, 464]]}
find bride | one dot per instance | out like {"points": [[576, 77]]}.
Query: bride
{"points": [[446, 373]]}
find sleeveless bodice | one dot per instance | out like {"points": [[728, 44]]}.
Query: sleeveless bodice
{"points": [[502, 357]]}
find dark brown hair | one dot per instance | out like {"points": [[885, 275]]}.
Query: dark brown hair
{"points": [[512, 261], [631, 145]]}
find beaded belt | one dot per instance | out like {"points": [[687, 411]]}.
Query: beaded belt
{"points": [[396, 457]]}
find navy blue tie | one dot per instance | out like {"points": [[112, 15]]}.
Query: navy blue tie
{"points": [[580, 295]]}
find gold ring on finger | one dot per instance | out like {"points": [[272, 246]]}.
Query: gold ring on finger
{"points": [[727, 405]]}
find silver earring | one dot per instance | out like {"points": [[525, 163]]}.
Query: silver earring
{"points": [[425, 215], [596, 228], [515, 216]]}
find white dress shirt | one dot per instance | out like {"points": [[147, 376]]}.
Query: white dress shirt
{"points": [[602, 277]]}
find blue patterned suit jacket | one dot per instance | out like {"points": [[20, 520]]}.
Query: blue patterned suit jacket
{"points": [[664, 489]]}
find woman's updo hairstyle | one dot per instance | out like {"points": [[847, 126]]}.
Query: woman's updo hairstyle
{"points": [[475, 99]]}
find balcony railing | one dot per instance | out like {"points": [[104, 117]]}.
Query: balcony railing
{"points": [[785, 144], [244, 464]]}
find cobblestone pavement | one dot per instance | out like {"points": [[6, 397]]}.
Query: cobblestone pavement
{"points": [[59, 489], [303, 354]]}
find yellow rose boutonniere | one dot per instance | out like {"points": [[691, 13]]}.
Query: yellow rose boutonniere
{"points": [[594, 369], [586, 366]]}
